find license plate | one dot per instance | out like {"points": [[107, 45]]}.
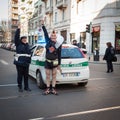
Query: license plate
{"points": [[74, 74]]}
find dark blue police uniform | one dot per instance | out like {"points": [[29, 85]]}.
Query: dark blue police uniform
{"points": [[22, 60]]}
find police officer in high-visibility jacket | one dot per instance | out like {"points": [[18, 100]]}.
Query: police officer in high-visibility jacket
{"points": [[22, 60]]}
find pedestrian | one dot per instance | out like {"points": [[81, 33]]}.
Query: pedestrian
{"points": [[75, 43], [53, 60], [22, 60], [109, 54]]}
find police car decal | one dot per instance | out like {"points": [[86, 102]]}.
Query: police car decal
{"points": [[37, 62], [42, 63]]}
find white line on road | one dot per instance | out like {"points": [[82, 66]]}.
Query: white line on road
{"points": [[103, 78], [3, 62], [7, 85], [79, 113]]}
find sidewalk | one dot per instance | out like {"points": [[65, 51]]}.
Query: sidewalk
{"points": [[101, 61]]}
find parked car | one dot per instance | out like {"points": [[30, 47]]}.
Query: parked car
{"points": [[74, 65], [13, 47]]}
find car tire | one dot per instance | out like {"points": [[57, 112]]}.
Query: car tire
{"points": [[82, 84], [39, 80]]}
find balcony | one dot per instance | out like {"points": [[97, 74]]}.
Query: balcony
{"points": [[43, 0], [49, 10], [15, 0], [15, 18], [22, 16], [22, 7], [62, 4], [29, 11], [15, 5], [78, 1], [15, 12], [29, 1]]}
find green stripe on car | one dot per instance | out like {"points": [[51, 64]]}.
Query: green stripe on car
{"points": [[42, 63]]}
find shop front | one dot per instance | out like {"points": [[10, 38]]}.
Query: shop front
{"points": [[95, 38], [117, 39]]}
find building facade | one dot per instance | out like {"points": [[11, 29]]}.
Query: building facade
{"points": [[56, 14], [26, 9], [70, 17], [4, 32], [1, 34], [13, 18], [104, 15]]}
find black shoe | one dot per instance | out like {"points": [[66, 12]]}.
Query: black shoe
{"points": [[54, 91], [111, 70], [20, 90], [47, 91], [27, 89]]}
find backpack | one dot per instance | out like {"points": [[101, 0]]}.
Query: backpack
{"points": [[112, 52]]}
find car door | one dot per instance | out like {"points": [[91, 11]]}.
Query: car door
{"points": [[37, 56]]}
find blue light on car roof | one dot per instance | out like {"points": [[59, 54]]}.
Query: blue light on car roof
{"points": [[41, 41]]}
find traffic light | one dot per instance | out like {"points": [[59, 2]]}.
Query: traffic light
{"points": [[88, 28]]}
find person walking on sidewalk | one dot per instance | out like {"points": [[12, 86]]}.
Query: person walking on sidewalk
{"points": [[53, 60], [22, 60], [109, 54]]}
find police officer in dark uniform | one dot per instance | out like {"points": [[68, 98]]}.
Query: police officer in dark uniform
{"points": [[22, 60]]}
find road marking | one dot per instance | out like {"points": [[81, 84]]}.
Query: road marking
{"points": [[78, 113], [104, 78], [97, 78], [7, 85], [3, 62]]}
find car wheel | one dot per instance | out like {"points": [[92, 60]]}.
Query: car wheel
{"points": [[82, 84], [39, 80]]}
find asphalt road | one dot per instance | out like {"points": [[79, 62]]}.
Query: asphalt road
{"points": [[99, 100]]}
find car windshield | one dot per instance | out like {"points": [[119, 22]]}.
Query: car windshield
{"points": [[71, 52]]}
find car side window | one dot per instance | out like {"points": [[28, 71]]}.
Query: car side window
{"points": [[39, 51]]}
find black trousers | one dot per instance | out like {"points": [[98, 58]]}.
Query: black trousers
{"points": [[22, 72], [109, 65]]}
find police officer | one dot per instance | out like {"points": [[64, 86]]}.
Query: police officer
{"points": [[22, 60]]}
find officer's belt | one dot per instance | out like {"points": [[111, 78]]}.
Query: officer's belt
{"points": [[24, 55], [51, 60]]}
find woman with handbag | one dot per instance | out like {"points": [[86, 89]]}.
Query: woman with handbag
{"points": [[109, 55]]}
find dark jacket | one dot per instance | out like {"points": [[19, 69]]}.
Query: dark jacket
{"points": [[54, 55], [109, 54], [21, 48]]}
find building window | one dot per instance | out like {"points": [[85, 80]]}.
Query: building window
{"points": [[55, 17], [35, 24], [117, 39], [82, 42], [32, 25], [40, 9], [51, 3], [64, 34], [56, 2], [72, 36], [47, 4], [95, 38], [63, 15]]}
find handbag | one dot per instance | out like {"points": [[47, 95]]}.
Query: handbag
{"points": [[114, 59]]}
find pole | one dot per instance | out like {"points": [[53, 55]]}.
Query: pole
{"points": [[90, 43], [90, 39]]}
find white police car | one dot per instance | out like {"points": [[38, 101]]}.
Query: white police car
{"points": [[74, 65]]}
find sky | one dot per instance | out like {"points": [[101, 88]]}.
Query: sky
{"points": [[4, 9]]}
